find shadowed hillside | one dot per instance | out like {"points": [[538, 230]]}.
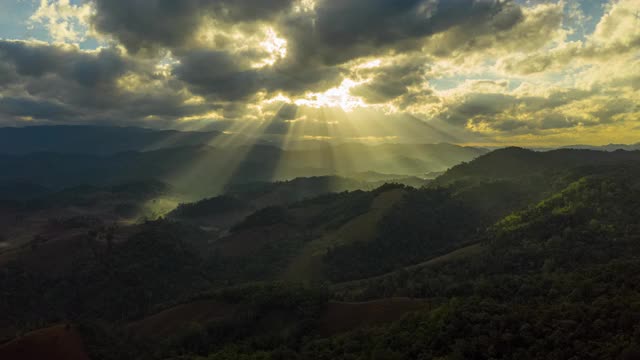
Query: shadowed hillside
{"points": [[60, 342]]}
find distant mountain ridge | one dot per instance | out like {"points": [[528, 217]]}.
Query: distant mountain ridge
{"points": [[206, 170], [110, 140], [610, 147], [99, 140], [517, 162]]}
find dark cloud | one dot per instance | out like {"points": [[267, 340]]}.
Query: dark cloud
{"points": [[153, 24], [87, 69], [218, 74], [478, 105], [295, 79], [336, 32], [286, 112], [223, 76], [343, 30], [391, 81], [491, 108], [7, 74], [612, 107], [34, 108], [62, 83]]}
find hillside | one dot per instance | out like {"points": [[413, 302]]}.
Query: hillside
{"points": [[493, 262], [64, 214], [521, 163], [241, 200], [308, 265], [56, 343]]}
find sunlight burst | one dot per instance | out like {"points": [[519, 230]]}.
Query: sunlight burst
{"points": [[275, 46], [337, 97]]}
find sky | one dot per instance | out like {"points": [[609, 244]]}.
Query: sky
{"points": [[473, 72]]}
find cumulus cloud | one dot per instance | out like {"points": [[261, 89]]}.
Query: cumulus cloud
{"points": [[616, 35], [166, 23], [518, 112], [390, 80], [28, 108], [65, 21], [80, 85]]}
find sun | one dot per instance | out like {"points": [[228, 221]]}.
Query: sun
{"points": [[274, 46], [337, 97]]}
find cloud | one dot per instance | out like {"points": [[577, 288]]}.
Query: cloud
{"points": [[471, 69], [33, 108], [75, 85], [321, 44], [339, 31], [391, 79], [64, 21], [87, 69], [218, 74], [154, 24], [482, 110], [616, 35]]}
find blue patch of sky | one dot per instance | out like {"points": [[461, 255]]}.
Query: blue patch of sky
{"points": [[14, 20], [593, 11], [15, 24], [452, 82]]}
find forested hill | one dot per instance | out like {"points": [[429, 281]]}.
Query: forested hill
{"points": [[542, 262], [518, 162]]}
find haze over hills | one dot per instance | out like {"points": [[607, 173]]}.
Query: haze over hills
{"points": [[72, 159]]}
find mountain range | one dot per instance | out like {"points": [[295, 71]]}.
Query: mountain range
{"points": [[71, 156]]}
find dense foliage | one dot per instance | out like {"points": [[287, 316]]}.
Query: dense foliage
{"points": [[208, 207], [427, 223]]}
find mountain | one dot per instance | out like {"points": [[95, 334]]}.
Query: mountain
{"points": [[515, 254], [511, 163], [21, 190], [99, 140], [610, 147], [205, 171]]}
